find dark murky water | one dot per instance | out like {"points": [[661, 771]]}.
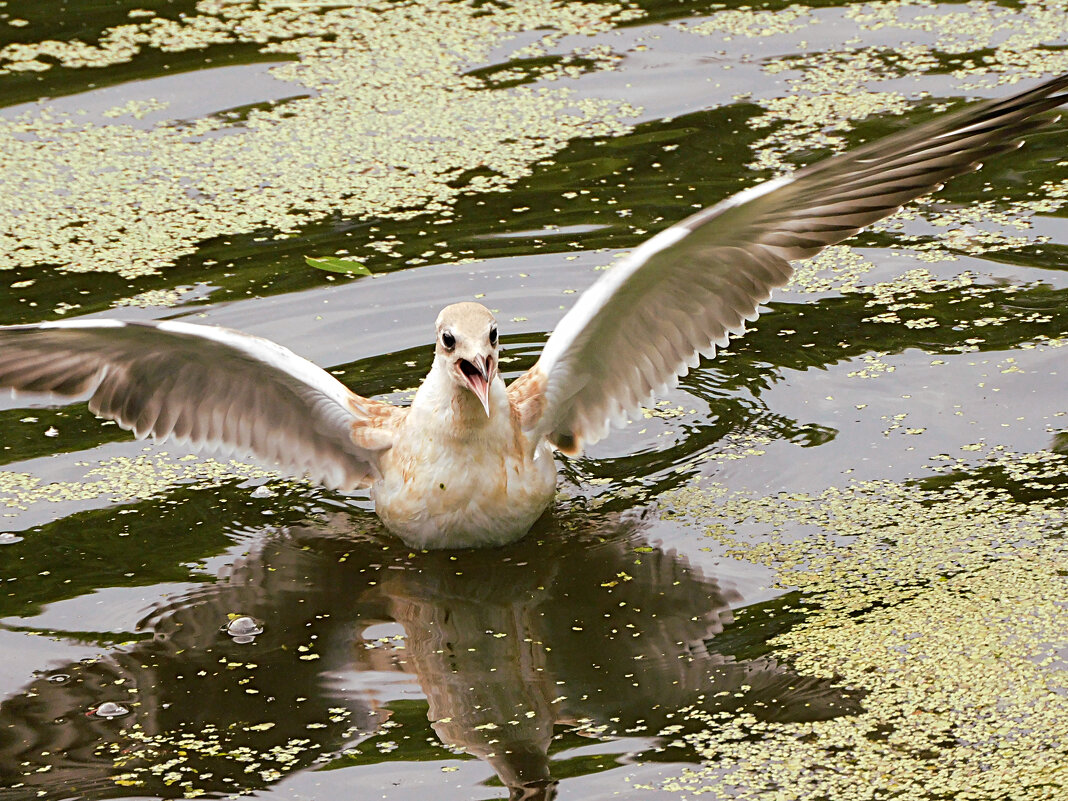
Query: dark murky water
{"points": [[583, 630], [587, 653]]}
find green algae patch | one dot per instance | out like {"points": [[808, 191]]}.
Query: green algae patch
{"points": [[990, 44], [839, 268], [941, 600], [384, 121], [825, 96], [752, 24], [122, 479], [833, 90]]}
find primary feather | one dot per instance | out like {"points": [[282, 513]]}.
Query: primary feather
{"points": [[204, 387], [681, 293]]}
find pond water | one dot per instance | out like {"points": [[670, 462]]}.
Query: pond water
{"points": [[830, 564]]}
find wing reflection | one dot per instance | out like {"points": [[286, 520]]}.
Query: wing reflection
{"points": [[593, 628]]}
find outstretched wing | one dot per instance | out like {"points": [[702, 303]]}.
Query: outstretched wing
{"points": [[680, 294], [206, 387]]}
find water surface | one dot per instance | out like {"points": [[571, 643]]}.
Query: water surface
{"points": [[830, 562]]}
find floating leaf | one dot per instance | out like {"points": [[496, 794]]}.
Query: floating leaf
{"points": [[332, 264]]}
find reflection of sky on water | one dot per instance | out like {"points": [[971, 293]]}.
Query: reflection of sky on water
{"points": [[231, 87]]}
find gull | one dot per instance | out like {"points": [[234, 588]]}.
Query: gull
{"points": [[470, 462]]}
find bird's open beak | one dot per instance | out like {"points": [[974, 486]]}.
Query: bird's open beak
{"points": [[478, 377]]}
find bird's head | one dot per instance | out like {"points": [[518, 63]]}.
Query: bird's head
{"points": [[467, 347]]}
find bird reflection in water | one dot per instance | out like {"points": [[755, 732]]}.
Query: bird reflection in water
{"points": [[590, 628]]}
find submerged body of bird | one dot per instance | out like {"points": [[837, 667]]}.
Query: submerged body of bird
{"points": [[470, 463]]}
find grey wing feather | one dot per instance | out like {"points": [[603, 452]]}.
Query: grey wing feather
{"points": [[205, 387], [680, 294]]}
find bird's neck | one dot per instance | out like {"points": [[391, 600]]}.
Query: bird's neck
{"points": [[441, 403]]}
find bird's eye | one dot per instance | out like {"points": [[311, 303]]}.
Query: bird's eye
{"points": [[493, 336], [448, 340]]}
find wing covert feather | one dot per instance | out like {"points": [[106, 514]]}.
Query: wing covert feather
{"points": [[684, 291]]}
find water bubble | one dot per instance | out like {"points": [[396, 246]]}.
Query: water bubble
{"points": [[243, 629], [263, 492], [109, 709], [7, 538], [59, 678]]}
